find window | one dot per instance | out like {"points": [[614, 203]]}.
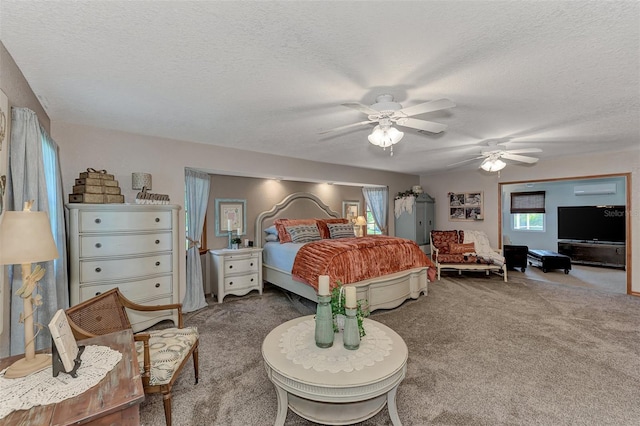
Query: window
{"points": [[528, 222], [527, 210], [372, 228]]}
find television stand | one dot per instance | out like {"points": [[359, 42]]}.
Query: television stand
{"points": [[594, 253]]}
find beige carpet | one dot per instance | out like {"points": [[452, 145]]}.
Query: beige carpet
{"points": [[481, 352], [606, 279]]}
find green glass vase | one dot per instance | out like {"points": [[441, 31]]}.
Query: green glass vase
{"points": [[324, 323], [351, 333]]}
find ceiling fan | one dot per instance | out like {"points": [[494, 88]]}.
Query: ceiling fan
{"points": [[493, 157], [386, 112]]}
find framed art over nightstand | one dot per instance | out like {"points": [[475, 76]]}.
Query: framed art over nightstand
{"points": [[350, 209], [466, 206], [231, 215]]}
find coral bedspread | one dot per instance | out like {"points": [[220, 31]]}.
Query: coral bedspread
{"points": [[355, 259]]}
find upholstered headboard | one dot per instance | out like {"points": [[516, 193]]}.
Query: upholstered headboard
{"points": [[300, 205]]}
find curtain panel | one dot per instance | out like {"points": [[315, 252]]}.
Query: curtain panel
{"points": [[27, 180], [197, 198]]}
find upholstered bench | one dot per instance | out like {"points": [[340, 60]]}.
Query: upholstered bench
{"points": [[449, 252], [547, 259]]}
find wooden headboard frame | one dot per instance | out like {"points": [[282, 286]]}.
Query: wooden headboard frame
{"points": [[287, 209]]}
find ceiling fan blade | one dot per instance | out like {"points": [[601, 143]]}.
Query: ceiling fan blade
{"points": [[521, 158], [348, 126], [426, 107], [523, 151], [362, 108], [428, 126], [464, 161]]}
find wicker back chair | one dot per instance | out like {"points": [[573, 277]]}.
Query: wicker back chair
{"points": [[106, 313]]}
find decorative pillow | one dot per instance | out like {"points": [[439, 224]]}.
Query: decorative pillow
{"points": [[341, 230], [467, 248], [271, 237], [281, 225], [271, 230], [324, 229], [442, 239], [303, 233]]}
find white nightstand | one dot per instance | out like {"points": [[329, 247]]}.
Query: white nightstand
{"points": [[236, 272]]}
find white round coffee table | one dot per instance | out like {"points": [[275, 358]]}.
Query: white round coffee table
{"points": [[334, 386]]}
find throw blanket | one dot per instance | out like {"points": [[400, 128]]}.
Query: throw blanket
{"points": [[355, 259], [483, 249]]}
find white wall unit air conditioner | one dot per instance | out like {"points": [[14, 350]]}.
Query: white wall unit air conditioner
{"points": [[599, 189]]}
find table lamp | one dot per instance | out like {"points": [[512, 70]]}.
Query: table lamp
{"points": [[360, 222], [25, 238]]}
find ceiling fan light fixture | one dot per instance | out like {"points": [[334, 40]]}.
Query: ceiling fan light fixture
{"points": [[493, 164], [385, 137]]}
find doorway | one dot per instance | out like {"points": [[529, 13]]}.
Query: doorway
{"points": [[607, 190]]}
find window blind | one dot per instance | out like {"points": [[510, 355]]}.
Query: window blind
{"points": [[527, 202]]}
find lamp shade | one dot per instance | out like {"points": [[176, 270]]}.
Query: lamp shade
{"points": [[493, 165], [139, 180], [385, 137], [361, 221], [25, 237]]}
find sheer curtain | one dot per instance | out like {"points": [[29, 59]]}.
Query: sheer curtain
{"points": [[197, 198], [29, 169], [377, 198]]}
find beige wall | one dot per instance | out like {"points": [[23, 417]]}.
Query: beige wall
{"points": [[262, 194], [17, 89], [568, 167], [121, 153]]}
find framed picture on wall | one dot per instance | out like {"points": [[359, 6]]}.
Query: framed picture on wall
{"points": [[231, 215], [466, 206], [350, 209]]}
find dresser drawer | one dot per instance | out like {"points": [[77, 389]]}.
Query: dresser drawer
{"points": [[123, 245], [241, 281], [114, 269], [141, 320], [240, 265], [138, 291], [108, 221]]}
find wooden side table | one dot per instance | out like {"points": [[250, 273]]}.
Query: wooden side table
{"points": [[113, 401]]}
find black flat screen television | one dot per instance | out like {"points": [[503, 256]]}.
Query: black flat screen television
{"points": [[592, 223]]}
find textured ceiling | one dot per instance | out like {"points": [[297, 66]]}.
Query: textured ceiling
{"points": [[269, 76]]}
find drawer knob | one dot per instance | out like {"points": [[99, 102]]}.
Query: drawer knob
{"points": [[230, 282], [251, 264], [230, 266], [98, 269], [157, 241], [98, 220], [251, 279], [157, 285], [98, 293], [158, 263], [157, 219], [98, 245]]}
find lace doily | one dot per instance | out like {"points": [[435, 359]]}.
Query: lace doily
{"points": [[42, 388], [298, 343]]}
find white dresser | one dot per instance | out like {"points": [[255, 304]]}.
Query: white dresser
{"points": [[236, 272], [130, 246]]}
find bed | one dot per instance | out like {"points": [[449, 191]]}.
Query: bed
{"points": [[381, 292]]}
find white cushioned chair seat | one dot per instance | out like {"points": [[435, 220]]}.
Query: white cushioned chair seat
{"points": [[167, 349]]}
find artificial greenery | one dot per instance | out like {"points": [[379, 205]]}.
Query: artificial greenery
{"points": [[408, 193], [236, 240], [337, 308]]}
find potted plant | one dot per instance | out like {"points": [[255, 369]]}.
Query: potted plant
{"points": [[337, 310], [235, 243]]}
